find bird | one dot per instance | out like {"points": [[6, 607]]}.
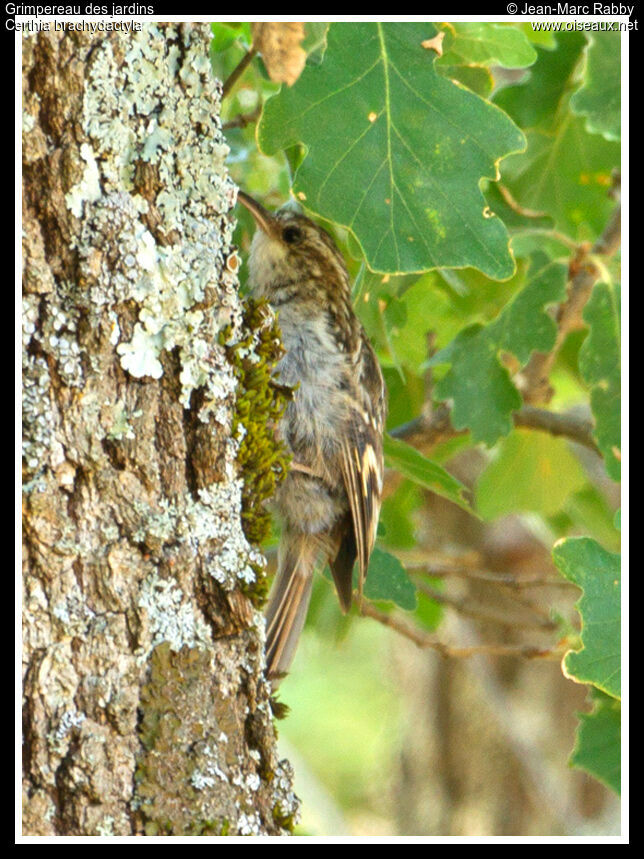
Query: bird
{"points": [[330, 501]]}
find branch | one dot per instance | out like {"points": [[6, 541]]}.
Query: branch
{"points": [[434, 426], [427, 431], [238, 71], [535, 376], [505, 580], [425, 641], [243, 119], [574, 427], [465, 607]]}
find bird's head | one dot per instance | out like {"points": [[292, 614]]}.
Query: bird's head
{"points": [[288, 249]]}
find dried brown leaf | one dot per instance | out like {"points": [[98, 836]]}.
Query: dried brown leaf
{"points": [[435, 44], [279, 44]]}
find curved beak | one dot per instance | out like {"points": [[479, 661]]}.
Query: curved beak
{"points": [[263, 218]]}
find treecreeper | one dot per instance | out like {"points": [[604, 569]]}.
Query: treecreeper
{"points": [[330, 501]]}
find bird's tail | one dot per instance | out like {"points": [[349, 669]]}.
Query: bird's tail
{"points": [[288, 602]]}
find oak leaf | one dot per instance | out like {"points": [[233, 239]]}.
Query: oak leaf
{"points": [[279, 44]]}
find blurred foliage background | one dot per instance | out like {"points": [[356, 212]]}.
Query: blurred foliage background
{"points": [[447, 712]]}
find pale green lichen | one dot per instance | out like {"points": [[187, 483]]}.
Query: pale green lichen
{"points": [[106, 826], [286, 808], [57, 739], [53, 332], [89, 188], [211, 519], [134, 112], [122, 428], [37, 414], [72, 612], [28, 122], [171, 617]]}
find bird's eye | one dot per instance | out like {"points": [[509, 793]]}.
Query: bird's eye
{"points": [[291, 235]]}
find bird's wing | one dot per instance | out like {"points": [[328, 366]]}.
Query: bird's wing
{"points": [[362, 474], [362, 458]]}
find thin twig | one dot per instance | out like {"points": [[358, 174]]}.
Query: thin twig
{"points": [[243, 119], [515, 589], [238, 71], [426, 641], [502, 579], [516, 594], [465, 607], [429, 430], [555, 235], [517, 207]]}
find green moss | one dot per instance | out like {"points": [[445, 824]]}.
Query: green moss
{"points": [[208, 827], [285, 821], [279, 708], [261, 402]]}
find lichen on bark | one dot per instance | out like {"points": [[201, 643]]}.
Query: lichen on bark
{"points": [[145, 707]]}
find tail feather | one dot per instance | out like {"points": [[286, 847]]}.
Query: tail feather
{"points": [[342, 564], [288, 602]]}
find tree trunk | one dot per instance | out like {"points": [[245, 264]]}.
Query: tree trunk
{"points": [[145, 707]]}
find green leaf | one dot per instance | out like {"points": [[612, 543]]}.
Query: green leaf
{"points": [[413, 465], [486, 45], [381, 313], [429, 612], [597, 572], [482, 391], [225, 34], [599, 365], [565, 172], [406, 396], [396, 515], [315, 41], [532, 472], [476, 78], [425, 309], [475, 297], [535, 100], [430, 306], [588, 512], [599, 99], [480, 386], [598, 742], [544, 38], [387, 580], [395, 152]]}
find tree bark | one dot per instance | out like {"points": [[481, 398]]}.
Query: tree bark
{"points": [[145, 707]]}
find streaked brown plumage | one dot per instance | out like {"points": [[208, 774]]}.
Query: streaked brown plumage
{"points": [[330, 501]]}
